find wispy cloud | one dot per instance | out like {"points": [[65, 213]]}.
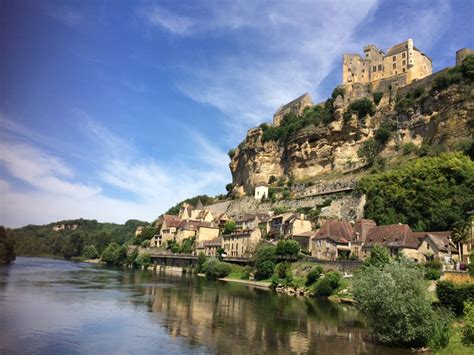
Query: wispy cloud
{"points": [[288, 49], [51, 190], [159, 16]]}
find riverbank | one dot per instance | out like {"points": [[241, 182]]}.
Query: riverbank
{"points": [[259, 284]]}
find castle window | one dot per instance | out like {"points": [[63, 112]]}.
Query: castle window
{"points": [[374, 68], [403, 55], [380, 67], [363, 70], [404, 62], [403, 69], [394, 65], [394, 58]]}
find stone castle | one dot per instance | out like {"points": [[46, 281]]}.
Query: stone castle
{"points": [[403, 60]]}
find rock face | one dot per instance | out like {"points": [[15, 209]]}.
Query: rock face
{"points": [[440, 118]]}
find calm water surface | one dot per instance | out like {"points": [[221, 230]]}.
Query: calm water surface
{"points": [[59, 307]]}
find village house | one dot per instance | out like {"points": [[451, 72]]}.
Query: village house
{"points": [[332, 240], [251, 220], [403, 62], [210, 247], [241, 243], [169, 228], [261, 191], [304, 240], [288, 224]]}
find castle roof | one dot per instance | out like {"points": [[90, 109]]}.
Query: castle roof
{"points": [[291, 103]]}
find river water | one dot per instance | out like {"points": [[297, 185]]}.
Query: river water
{"points": [[58, 307]]}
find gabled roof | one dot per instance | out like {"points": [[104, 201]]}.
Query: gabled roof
{"points": [[393, 235], [171, 220], [441, 240], [291, 103], [308, 235], [216, 242], [337, 231], [218, 208]]}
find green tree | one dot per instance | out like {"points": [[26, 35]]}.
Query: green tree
{"points": [[265, 261], [229, 187], [215, 269], [229, 227], [314, 275], [381, 296], [287, 248], [187, 246], [467, 67], [362, 107], [468, 330], [379, 257], [90, 252], [110, 254], [7, 247], [132, 258], [144, 260], [200, 262]]}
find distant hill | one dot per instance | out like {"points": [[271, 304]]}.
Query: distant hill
{"points": [[68, 238]]}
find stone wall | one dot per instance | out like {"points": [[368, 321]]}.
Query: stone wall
{"points": [[344, 266]]}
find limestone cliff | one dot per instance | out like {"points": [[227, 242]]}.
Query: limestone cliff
{"points": [[420, 113]]}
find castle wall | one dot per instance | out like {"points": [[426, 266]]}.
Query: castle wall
{"points": [[462, 54]]}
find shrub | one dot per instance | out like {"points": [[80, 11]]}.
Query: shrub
{"points": [[468, 330], [453, 295], [377, 97], [323, 288], [334, 278], [229, 187], [287, 248], [394, 317], [231, 153], [144, 260], [408, 148], [215, 269], [369, 150], [434, 264], [246, 273], [201, 260], [384, 132], [314, 275], [272, 179], [432, 274], [451, 76], [362, 107], [336, 92], [441, 329], [265, 262], [404, 105], [283, 270], [467, 67], [379, 257]]}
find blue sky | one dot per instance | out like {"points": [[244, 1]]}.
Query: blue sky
{"points": [[119, 109]]}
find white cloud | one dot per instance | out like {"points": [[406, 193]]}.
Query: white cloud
{"points": [[159, 16], [54, 192]]}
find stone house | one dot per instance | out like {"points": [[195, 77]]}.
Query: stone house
{"points": [[304, 240], [288, 224], [157, 241], [241, 243], [251, 220], [403, 61], [210, 247], [332, 239], [296, 106], [169, 228]]}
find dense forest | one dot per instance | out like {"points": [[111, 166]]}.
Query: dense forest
{"points": [[79, 237]]}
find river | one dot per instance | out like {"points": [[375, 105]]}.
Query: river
{"points": [[59, 307]]}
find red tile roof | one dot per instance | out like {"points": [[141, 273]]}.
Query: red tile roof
{"points": [[337, 231], [393, 235]]}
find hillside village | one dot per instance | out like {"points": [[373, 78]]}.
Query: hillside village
{"points": [[234, 228]]}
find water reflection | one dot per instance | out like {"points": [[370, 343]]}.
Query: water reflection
{"points": [[50, 306]]}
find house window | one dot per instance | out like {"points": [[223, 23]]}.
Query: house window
{"points": [[374, 68], [380, 67], [427, 246], [394, 58]]}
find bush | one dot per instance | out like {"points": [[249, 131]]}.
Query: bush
{"points": [[441, 329], [432, 274], [444, 80], [272, 179], [453, 296], [215, 269], [334, 278], [231, 153], [323, 288], [144, 260], [265, 262], [409, 148], [377, 97], [468, 330], [287, 248], [467, 67], [229, 187], [201, 260], [336, 92], [434, 264], [314, 275], [246, 273], [362, 107], [392, 315], [369, 150], [384, 132]]}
